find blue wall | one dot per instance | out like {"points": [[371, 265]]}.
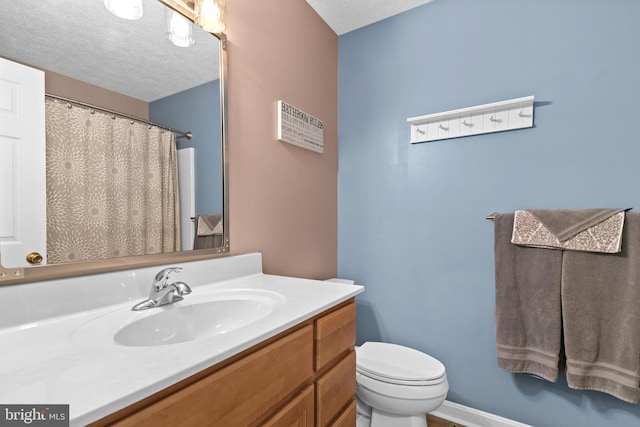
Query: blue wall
{"points": [[198, 110], [411, 224]]}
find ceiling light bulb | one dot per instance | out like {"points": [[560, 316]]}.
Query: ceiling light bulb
{"points": [[126, 9], [209, 14], [178, 29]]}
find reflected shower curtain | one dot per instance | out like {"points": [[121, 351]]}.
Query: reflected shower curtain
{"points": [[111, 186]]}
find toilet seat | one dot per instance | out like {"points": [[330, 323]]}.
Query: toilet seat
{"points": [[400, 391], [414, 383], [396, 364]]}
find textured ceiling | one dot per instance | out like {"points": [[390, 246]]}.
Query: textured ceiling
{"points": [[83, 40], [348, 15]]}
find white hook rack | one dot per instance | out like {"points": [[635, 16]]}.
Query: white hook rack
{"points": [[495, 117]]}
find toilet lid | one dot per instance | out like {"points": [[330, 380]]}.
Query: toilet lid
{"points": [[396, 362]]}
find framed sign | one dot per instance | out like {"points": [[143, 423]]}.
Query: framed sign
{"points": [[299, 128]]}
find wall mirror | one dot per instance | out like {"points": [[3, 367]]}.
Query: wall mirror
{"points": [[91, 58]]}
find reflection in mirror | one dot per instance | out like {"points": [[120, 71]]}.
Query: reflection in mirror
{"points": [[118, 92]]}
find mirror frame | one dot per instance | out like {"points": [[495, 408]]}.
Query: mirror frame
{"points": [[10, 276]]}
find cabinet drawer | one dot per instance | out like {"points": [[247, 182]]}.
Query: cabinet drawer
{"points": [[347, 418], [239, 393], [335, 389], [298, 413], [335, 333]]}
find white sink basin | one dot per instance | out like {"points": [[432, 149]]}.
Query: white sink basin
{"points": [[194, 318], [177, 323]]}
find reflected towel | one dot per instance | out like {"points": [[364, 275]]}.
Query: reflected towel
{"points": [[591, 230], [209, 232], [528, 312], [207, 225], [601, 314]]}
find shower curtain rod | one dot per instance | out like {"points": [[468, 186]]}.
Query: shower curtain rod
{"points": [[187, 134]]}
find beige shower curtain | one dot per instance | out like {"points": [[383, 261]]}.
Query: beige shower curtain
{"points": [[111, 186]]}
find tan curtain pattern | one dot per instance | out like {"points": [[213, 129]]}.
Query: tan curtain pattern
{"points": [[111, 186]]}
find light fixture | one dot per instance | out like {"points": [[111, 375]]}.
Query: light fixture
{"points": [[126, 9], [209, 14], [178, 29]]}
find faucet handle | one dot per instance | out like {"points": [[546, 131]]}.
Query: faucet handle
{"points": [[160, 281], [182, 288]]}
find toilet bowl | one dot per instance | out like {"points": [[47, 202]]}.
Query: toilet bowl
{"points": [[396, 386]]}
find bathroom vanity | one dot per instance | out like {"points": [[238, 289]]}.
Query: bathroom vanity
{"points": [[304, 376], [289, 362]]}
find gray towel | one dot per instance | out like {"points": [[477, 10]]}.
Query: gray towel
{"points": [[528, 312], [601, 314]]}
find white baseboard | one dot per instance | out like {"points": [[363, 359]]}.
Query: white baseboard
{"points": [[470, 417]]}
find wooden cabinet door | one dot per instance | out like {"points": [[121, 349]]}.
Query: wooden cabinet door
{"points": [[240, 393], [335, 333], [298, 413], [348, 416], [335, 389]]}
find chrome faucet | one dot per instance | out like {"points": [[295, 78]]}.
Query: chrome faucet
{"points": [[162, 292]]}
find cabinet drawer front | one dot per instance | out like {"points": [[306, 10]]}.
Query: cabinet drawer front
{"points": [[239, 393], [347, 418], [335, 333], [335, 389], [298, 413]]}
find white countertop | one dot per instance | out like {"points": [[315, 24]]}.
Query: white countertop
{"points": [[47, 362]]}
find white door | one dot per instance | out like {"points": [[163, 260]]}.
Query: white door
{"points": [[186, 191], [23, 211]]}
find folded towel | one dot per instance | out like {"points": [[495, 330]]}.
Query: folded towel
{"points": [[528, 312], [591, 230], [567, 223], [601, 315], [208, 232], [207, 225]]}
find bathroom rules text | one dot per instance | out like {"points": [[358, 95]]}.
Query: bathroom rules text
{"points": [[299, 128]]}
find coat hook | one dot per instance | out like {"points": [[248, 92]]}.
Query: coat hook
{"points": [[521, 113], [420, 131], [493, 119], [464, 122], [442, 127]]}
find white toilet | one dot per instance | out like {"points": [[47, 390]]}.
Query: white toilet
{"points": [[396, 386]]}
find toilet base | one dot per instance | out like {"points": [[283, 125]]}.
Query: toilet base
{"points": [[390, 420], [363, 421], [363, 413], [384, 419]]}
